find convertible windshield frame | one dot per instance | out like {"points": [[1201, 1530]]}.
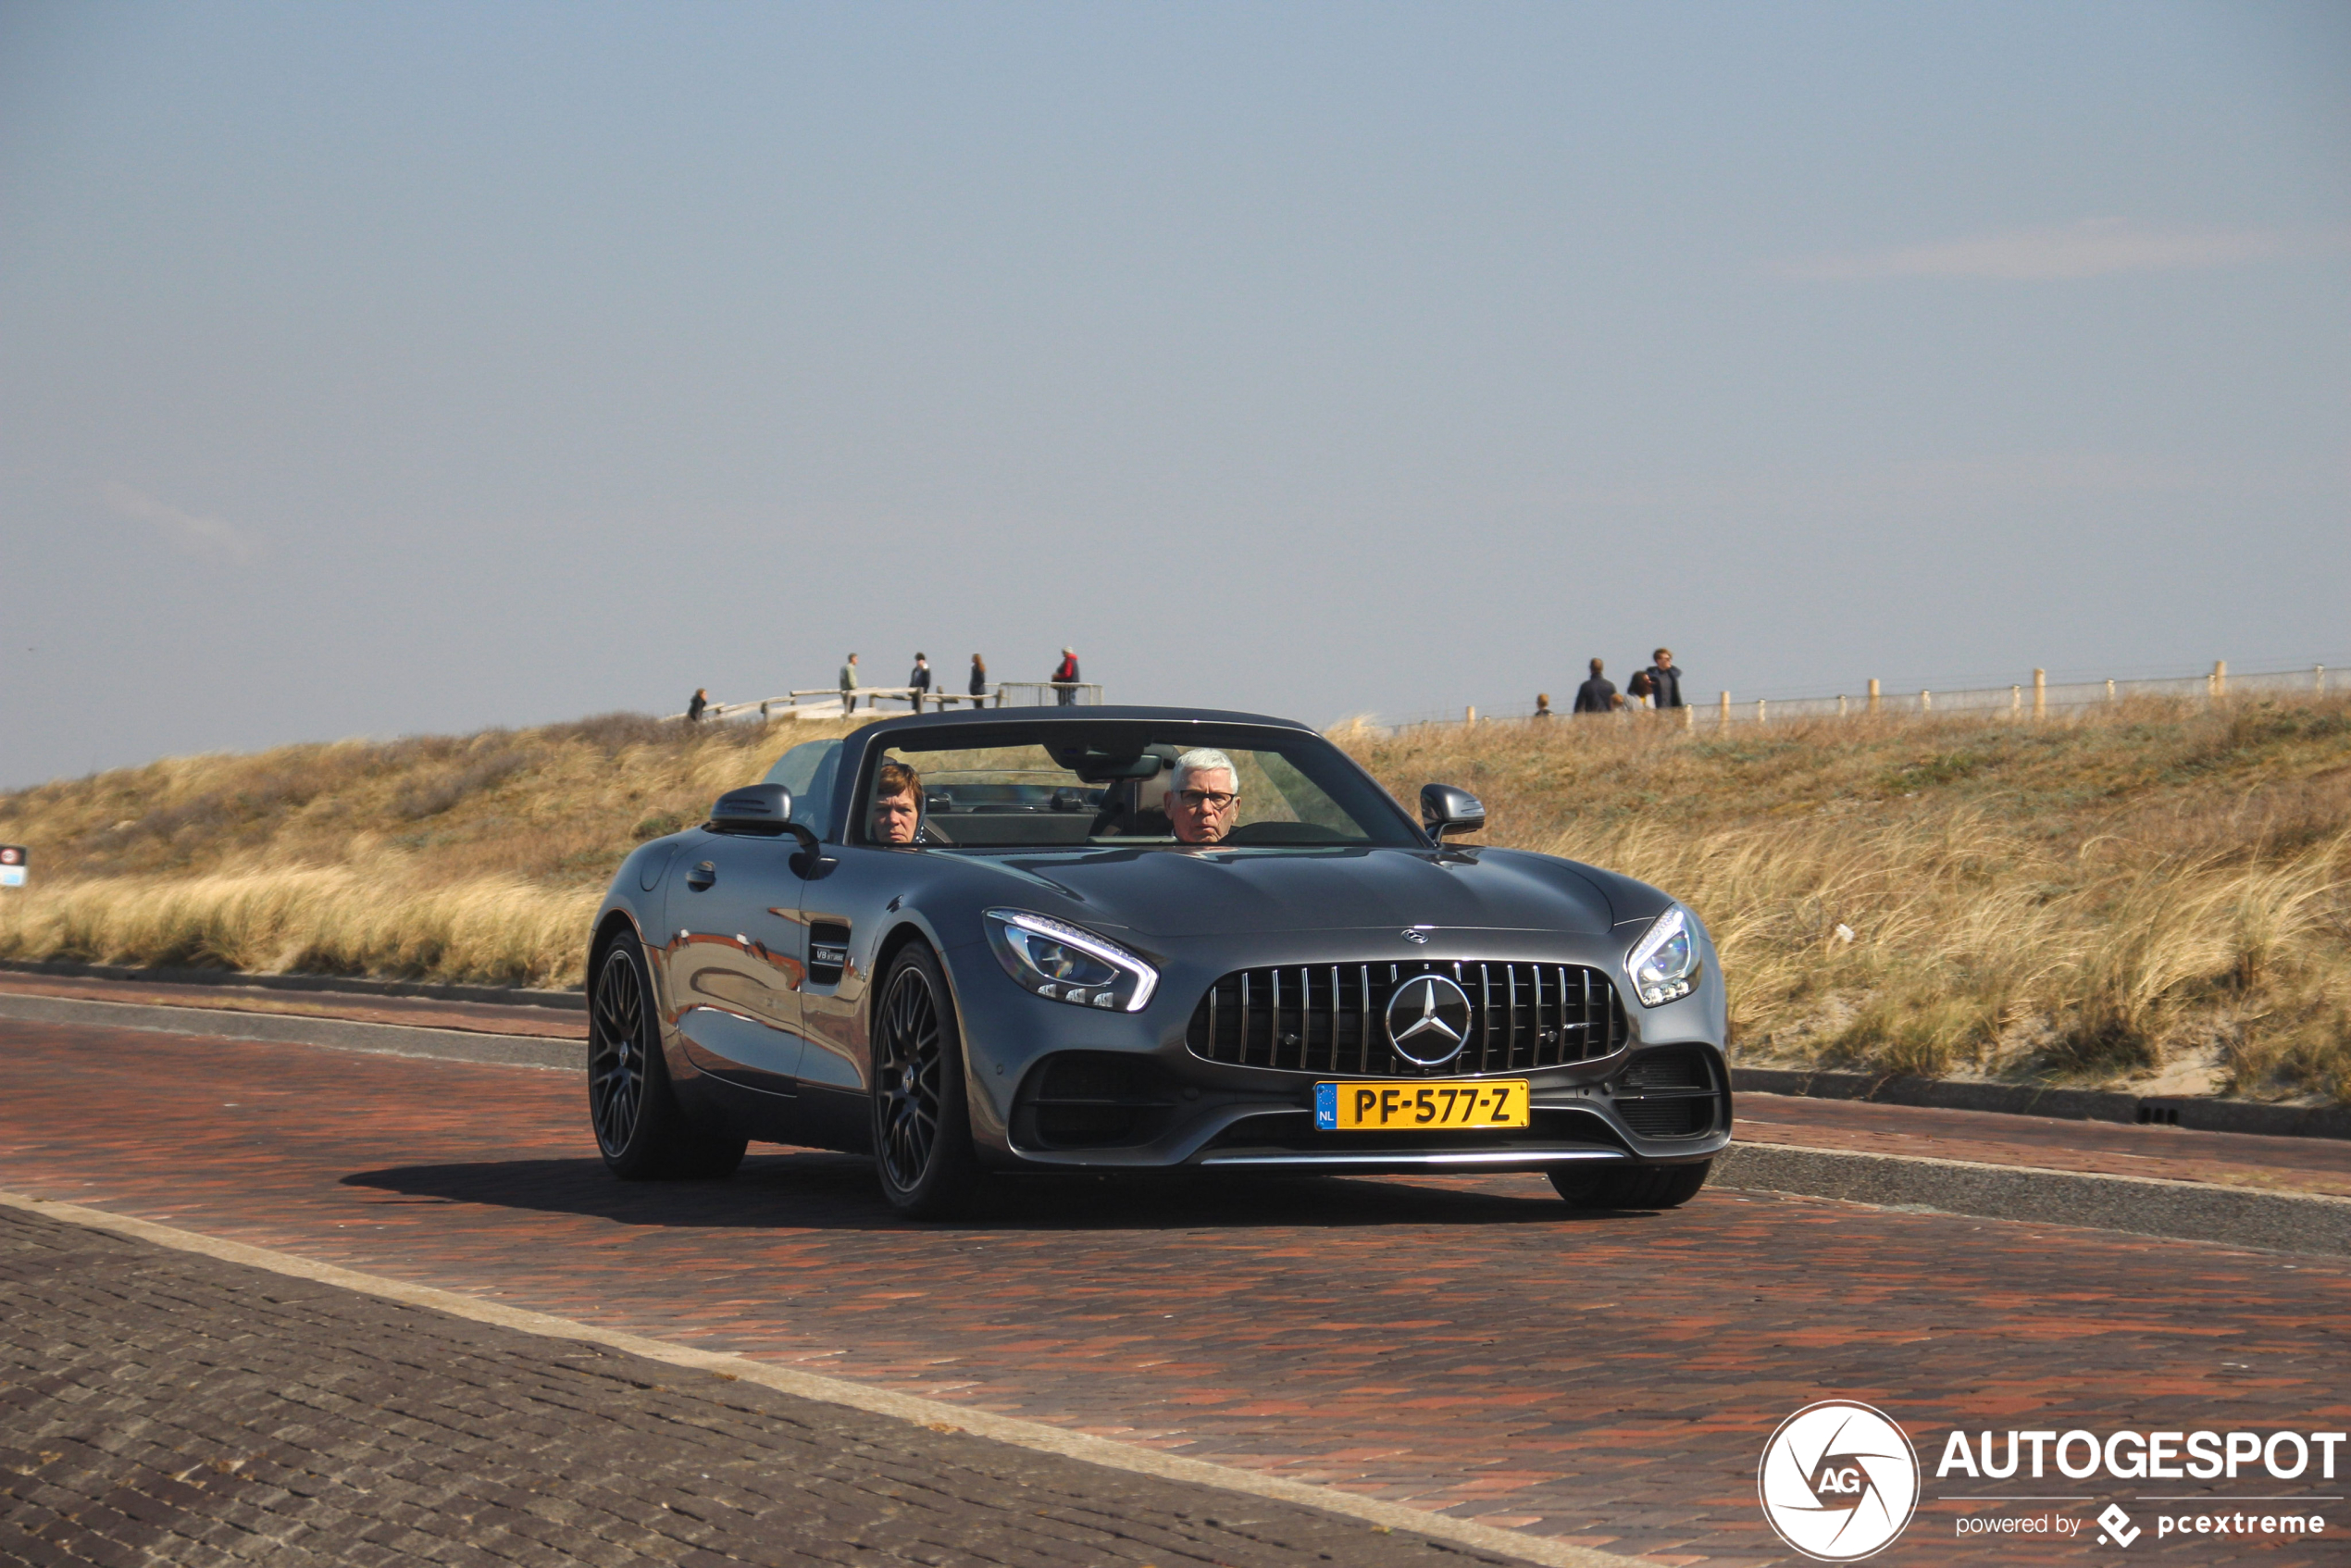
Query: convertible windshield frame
{"points": [[1377, 820]]}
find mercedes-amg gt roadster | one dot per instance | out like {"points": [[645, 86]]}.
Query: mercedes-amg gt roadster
{"points": [[1128, 939]]}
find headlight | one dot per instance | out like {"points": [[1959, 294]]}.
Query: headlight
{"points": [[1053, 958], [1664, 963]]}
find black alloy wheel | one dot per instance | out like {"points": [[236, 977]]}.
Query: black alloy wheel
{"points": [[637, 1127], [1637, 1187], [922, 1128]]}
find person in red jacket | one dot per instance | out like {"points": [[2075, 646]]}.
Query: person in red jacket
{"points": [[1065, 676]]}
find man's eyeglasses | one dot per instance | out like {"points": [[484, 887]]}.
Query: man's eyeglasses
{"points": [[1215, 799]]}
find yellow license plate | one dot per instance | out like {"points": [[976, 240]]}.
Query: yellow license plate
{"points": [[1386, 1105]]}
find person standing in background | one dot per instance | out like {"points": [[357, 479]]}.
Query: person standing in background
{"points": [[694, 708], [849, 685], [1542, 704], [979, 679], [1065, 676], [1597, 695], [1660, 683], [918, 681]]}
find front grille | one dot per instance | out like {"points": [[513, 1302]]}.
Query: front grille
{"points": [[1332, 1017]]}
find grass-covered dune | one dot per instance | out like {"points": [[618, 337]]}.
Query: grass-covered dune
{"points": [[2151, 891]]}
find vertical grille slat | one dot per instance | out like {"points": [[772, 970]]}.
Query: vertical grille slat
{"points": [[1585, 1014], [1485, 1021], [1525, 1018], [1513, 969], [1339, 998]]}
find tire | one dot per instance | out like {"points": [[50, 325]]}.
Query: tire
{"points": [[1641, 1187], [922, 1120], [639, 1131]]}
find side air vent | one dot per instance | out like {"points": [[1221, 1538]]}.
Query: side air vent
{"points": [[828, 952], [1332, 1017]]}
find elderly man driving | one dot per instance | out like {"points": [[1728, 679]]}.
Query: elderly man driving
{"points": [[1203, 796]]}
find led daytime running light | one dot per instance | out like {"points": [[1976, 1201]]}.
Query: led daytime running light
{"points": [[1664, 987], [1146, 977]]}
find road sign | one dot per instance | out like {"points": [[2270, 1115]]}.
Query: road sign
{"points": [[13, 860]]}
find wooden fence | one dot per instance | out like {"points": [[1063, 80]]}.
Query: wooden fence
{"points": [[825, 702]]}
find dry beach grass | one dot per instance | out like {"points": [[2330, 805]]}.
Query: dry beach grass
{"points": [[2158, 889], [2153, 892]]}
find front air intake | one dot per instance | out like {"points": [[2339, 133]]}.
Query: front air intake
{"points": [[1667, 1094]]}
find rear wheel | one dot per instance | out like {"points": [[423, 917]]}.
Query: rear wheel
{"points": [[921, 1124], [639, 1128], [1634, 1187]]}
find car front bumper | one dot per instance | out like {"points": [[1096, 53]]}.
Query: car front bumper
{"points": [[1057, 1087]]}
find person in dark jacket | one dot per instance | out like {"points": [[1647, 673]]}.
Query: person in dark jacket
{"points": [[694, 708], [1597, 695], [979, 679], [1660, 683], [1065, 676], [918, 681]]}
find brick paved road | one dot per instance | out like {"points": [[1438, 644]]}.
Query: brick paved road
{"points": [[2173, 1154], [156, 1406], [1468, 1346]]}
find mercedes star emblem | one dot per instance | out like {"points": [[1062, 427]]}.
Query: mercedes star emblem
{"points": [[1429, 1020], [1416, 933]]}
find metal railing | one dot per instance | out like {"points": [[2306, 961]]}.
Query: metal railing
{"points": [[1046, 693]]}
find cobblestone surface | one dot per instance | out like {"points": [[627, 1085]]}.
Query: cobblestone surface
{"points": [[156, 1407], [1468, 1346]]}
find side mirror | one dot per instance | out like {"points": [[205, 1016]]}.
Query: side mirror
{"points": [[762, 809], [1445, 809]]}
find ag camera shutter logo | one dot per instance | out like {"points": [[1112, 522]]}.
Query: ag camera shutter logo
{"points": [[1839, 1481]]}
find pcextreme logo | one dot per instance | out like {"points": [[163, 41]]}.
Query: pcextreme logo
{"points": [[1839, 1481]]}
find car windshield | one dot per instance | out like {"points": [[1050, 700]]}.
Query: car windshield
{"points": [[1057, 787]]}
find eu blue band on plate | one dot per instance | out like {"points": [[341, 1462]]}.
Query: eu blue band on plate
{"points": [[1326, 1107]]}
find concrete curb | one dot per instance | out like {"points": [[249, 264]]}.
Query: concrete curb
{"points": [[2199, 1111], [935, 1414], [501, 996], [2299, 1222], [339, 1034]]}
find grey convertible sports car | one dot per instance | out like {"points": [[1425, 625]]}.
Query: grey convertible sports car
{"points": [[1142, 939]]}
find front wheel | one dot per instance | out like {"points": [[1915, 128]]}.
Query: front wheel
{"points": [[921, 1124], [639, 1128], [1636, 1187]]}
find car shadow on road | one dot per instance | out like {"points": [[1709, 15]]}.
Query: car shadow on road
{"points": [[807, 1190]]}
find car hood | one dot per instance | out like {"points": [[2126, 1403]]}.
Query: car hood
{"points": [[1173, 893]]}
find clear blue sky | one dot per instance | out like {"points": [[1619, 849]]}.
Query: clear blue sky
{"points": [[387, 368]]}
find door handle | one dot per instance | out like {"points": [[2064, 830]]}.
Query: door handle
{"points": [[702, 876]]}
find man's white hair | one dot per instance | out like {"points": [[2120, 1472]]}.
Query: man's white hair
{"points": [[1202, 759]]}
